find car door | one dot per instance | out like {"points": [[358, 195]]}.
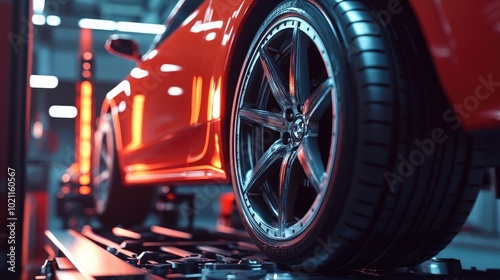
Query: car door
{"points": [[161, 110]]}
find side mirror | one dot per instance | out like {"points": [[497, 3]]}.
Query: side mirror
{"points": [[123, 46]]}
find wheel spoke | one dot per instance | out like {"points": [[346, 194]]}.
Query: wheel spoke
{"points": [[109, 150], [265, 167], [299, 67], [105, 157], [287, 192], [276, 78], [101, 178], [319, 101], [310, 159], [263, 118]]}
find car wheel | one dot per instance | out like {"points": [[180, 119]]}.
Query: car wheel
{"points": [[114, 203], [344, 153]]}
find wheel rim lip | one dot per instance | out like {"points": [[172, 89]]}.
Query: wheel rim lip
{"points": [[253, 219]]}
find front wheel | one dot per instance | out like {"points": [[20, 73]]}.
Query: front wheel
{"points": [[340, 154]]}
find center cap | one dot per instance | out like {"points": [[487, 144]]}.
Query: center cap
{"points": [[298, 129]]}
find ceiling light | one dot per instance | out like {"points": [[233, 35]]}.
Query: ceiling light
{"points": [[53, 20], [43, 81], [147, 28], [63, 112], [98, 24], [38, 19], [38, 6]]}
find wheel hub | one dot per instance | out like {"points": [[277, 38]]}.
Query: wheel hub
{"points": [[298, 129]]}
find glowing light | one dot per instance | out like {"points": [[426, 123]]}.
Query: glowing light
{"points": [[170, 68], [43, 81], [121, 26], [175, 91], [84, 153], [216, 160], [214, 99], [86, 65], [98, 24], [86, 74], [210, 36], [87, 55], [63, 112], [38, 6], [139, 73], [137, 167], [65, 189], [84, 190], [196, 100], [85, 147], [216, 103], [84, 180], [137, 117], [86, 102], [65, 178], [38, 19], [206, 172], [37, 131], [136, 27], [53, 20]]}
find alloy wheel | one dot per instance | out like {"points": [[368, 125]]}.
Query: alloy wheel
{"points": [[285, 129]]}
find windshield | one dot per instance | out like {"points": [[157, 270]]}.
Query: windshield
{"points": [[182, 10]]}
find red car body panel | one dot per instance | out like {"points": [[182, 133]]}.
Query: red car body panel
{"points": [[464, 41], [169, 113]]}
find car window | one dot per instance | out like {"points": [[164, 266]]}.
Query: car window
{"points": [[181, 12]]}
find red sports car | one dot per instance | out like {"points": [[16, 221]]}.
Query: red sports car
{"points": [[345, 126]]}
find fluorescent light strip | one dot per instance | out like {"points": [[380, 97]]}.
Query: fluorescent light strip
{"points": [[63, 112], [98, 24], [43, 81], [38, 6], [121, 26], [38, 19], [53, 20], [147, 28]]}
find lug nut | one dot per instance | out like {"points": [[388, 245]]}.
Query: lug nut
{"points": [[286, 138], [289, 115]]}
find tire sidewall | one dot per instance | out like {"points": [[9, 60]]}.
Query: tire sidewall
{"points": [[105, 129]]}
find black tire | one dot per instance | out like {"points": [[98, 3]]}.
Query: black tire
{"points": [[115, 204], [401, 176]]}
